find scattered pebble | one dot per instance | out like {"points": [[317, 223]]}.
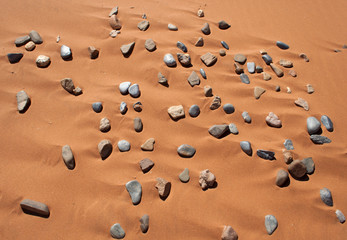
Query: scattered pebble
{"points": [[228, 108], [186, 151], [148, 145], [302, 103], [208, 91], [277, 70], [278, 88], [144, 16], [105, 148], [143, 25], [225, 45], [127, 49], [258, 69], [115, 23], [206, 179], [313, 125], [246, 147], [22, 40], [216, 102], [267, 59], [105, 125], [238, 68], [123, 87], [137, 106], [206, 29], [169, 60], [144, 223], [202, 72], [240, 58], [176, 112], [138, 125], [135, 191], [134, 90], [163, 187], [318, 139], [273, 121], [288, 156], [23, 101], [14, 57], [289, 90], [43, 61], [309, 164], [35, 37], [146, 165], [288, 144], [246, 117], [68, 85], [268, 155], [172, 27], [184, 59], [65, 52], [200, 13], [114, 33], [218, 130], [223, 25], [281, 178], [123, 108], [244, 78], [93, 52], [30, 46], [113, 11], [258, 91], [184, 176], [77, 91], [97, 107], [266, 76], [68, 157], [270, 224], [34, 208], [123, 146], [286, 63], [194, 111], [233, 129], [208, 59], [310, 89], [282, 45], [292, 73], [229, 233], [340, 216], [162, 79], [326, 196], [251, 67], [150, 45], [181, 46], [303, 55], [222, 52], [117, 231], [328, 124], [297, 169], [58, 39]]}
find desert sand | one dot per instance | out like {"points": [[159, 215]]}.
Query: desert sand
{"points": [[86, 201]]}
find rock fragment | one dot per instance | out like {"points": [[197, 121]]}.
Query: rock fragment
{"points": [[148, 145], [127, 49], [286, 63], [184, 176], [258, 91], [223, 25], [297, 169], [30, 46], [123, 108], [172, 27], [150, 45], [267, 59], [313, 125], [233, 129], [138, 125], [144, 223], [292, 73], [228, 108], [169, 60], [277, 70], [117, 231], [113, 11], [304, 56], [206, 179], [105, 125], [288, 144], [105, 148], [194, 111], [208, 91], [318, 139], [216, 102], [246, 147], [200, 13], [176, 112], [310, 89], [146, 165], [68, 157], [206, 29], [23, 101], [123, 146], [162, 79], [238, 68], [246, 117], [267, 155], [93, 52], [163, 187], [14, 57], [35, 208], [97, 107], [143, 25], [65, 52], [244, 78], [35, 37], [218, 130], [282, 45], [328, 124], [199, 42], [208, 59], [186, 151], [184, 59], [288, 156], [309, 164], [181, 46], [124, 87], [282, 178], [251, 67], [266, 76], [240, 58], [340, 216], [68, 85], [273, 121], [115, 23], [202, 72], [134, 90], [22, 40], [43, 61]]}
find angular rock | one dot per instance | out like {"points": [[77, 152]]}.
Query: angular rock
{"points": [[218, 130], [134, 189], [289, 90], [116, 230], [138, 125], [309, 164], [194, 111], [137, 106], [286, 63], [258, 91], [246, 117], [22, 40], [68, 85], [97, 107], [123, 146], [310, 89], [340, 216], [23, 101], [262, 51], [240, 58], [186, 151], [127, 49], [281, 178], [162, 79], [233, 129], [105, 125], [123, 108], [292, 73], [35, 208], [216, 102], [266, 76], [251, 67], [144, 223], [273, 121], [176, 112], [68, 157], [114, 33], [114, 11], [202, 72], [143, 25], [223, 25], [246, 147], [302, 103], [93, 52], [277, 70], [270, 224], [169, 60], [206, 179], [134, 90], [229, 233], [238, 68], [184, 176], [258, 69], [30, 46], [297, 169], [105, 148], [124, 87], [206, 29], [244, 78], [115, 23], [208, 91], [225, 45], [313, 125], [318, 139], [43, 61], [268, 155], [163, 187], [35, 37], [65, 52], [228, 108], [326, 196], [208, 59], [172, 27], [267, 59], [199, 42], [14, 57], [282, 45], [288, 144], [328, 124], [148, 145], [181, 46], [184, 59], [146, 165], [150, 45]]}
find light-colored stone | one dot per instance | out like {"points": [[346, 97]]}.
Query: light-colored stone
{"points": [[277, 70], [115, 23], [200, 13], [302, 103], [229, 233], [150, 45], [258, 91], [127, 48], [23, 101], [105, 125], [176, 112], [43, 61], [116, 230], [310, 89], [148, 145], [172, 27], [216, 103], [286, 63], [266, 76], [30, 46], [163, 187], [143, 25], [288, 156], [206, 179], [270, 224], [273, 121]]}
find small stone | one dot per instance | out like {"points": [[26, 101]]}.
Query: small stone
{"points": [[229, 233], [266, 76], [65, 52], [246, 117], [340, 216], [238, 68], [244, 78], [240, 58], [143, 25], [138, 125], [289, 90], [206, 29], [34, 208], [146, 165], [134, 90], [270, 224], [77, 91], [208, 59], [135, 191], [251, 67], [258, 69], [199, 42], [116, 230], [310, 89], [181, 46], [200, 13], [268, 155], [162, 79], [292, 73], [206, 179], [318, 139], [222, 52], [137, 106], [328, 124], [172, 27], [273, 121], [233, 129], [304, 56], [228, 108], [184, 59], [14, 57], [262, 51], [202, 72], [97, 107], [225, 45], [313, 125], [186, 151], [278, 88], [297, 169], [184, 176], [326, 196], [30, 46], [223, 25], [68, 157], [150, 45], [194, 111], [344, 46], [281, 178], [218, 130], [282, 45], [309, 164], [144, 223], [57, 39], [123, 87], [288, 156], [35, 37], [258, 91], [105, 148], [114, 11], [144, 16], [93, 52], [288, 144], [123, 108], [267, 59], [208, 91], [277, 70], [127, 49], [43, 61], [22, 40], [302, 103], [216, 102], [176, 112], [123, 146], [114, 33], [105, 125], [169, 60], [246, 147], [68, 85], [115, 23], [163, 187], [148, 145], [286, 63], [337, 50]]}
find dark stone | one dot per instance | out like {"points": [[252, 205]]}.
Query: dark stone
{"points": [[202, 72], [117, 231], [206, 29], [22, 40], [194, 111], [326, 197], [35, 208], [309, 164], [135, 191], [144, 220], [223, 25], [14, 57], [228, 108], [146, 165], [328, 124], [225, 45], [267, 59], [181, 46], [318, 139], [268, 155], [297, 169], [282, 45], [246, 147], [97, 107]]}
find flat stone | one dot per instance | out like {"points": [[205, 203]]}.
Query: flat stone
{"points": [[326, 196], [184, 59], [297, 169], [246, 117], [114, 33], [117, 231], [313, 125], [105, 125], [267, 59], [216, 102], [150, 45], [30, 46], [138, 125], [105, 148], [194, 111], [267, 155], [172, 27], [208, 91], [288, 156], [35, 37], [169, 60], [199, 42], [135, 191], [206, 29], [114, 11], [35, 208], [328, 124], [124, 87], [123, 108], [309, 164], [143, 25], [123, 146], [318, 139], [310, 89], [186, 151], [68, 157], [134, 90], [304, 56], [233, 129], [229, 233], [22, 40], [302, 103], [14, 57], [137, 106], [270, 224], [115, 23], [281, 178], [148, 145], [258, 69], [146, 165], [282, 45], [266, 76], [93, 52], [162, 79], [218, 130], [340, 216], [222, 52], [246, 147], [67, 84], [181, 46], [225, 45], [292, 73], [251, 67], [43, 61], [288, 144], [228, 108], [238, 68], [277, 70], [286, 63], [273, 121], [23, 101], [208, 59], [206, 179], [97, 107], [223, 25], [244, 78], [163, 187], [202, 72], [127, 48], [65, 52], [240, 58], [144, 223], [176, 112], [258, 91], [184, 176]]}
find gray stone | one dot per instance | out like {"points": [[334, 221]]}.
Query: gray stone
{"points": [[114, 33], [206, 179], [225, 45], [228, 108], [135, 191], [251, 67], [65, 52], [105, 125], [23, 101], [199, 42], [240, 58], [114, 11], [223, 25], [176, 112], [186, 151], [146, 165], [313, 125], [43, 61], [194, 111], [266, 76], [233, 129], [137, 106], [162, 79], [229, 234], [123, 146], [150, 45], [310, 89], [144, 16], [328, 124], [208, 91], [216, 102], [14, 57], [326, 196], [267, 155], [258, 69], [123, 108], [93, 52], [181, 46], [134, 90], [304, 56], [35, 208], [246, 147], [258, 91], [302, 103], [172, 27], [278, 88], [309, 164], [340, 216], [200, 13], [144, 223], [206, 29], [286, 63], [148, 145], [208, 59], [222, 52], [288, 144], [117, 231], [244, 78], [169, 60], [35, 37], [184, 176], [184, 59], [124, 87], [163, 187], [115, 23], [273, 121], [277, 70], [318, 139], [282, 45], [143, 25], [105, 148], [270, 224], [68, 85], [297, 169], [127, 49], [246, 117], [138, 125], [281, 178], [202, 72], [22, 40], [238, 68], [97, 107], [68, 157], [267, 59], [218, 130]]}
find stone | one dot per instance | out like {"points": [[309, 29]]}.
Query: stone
{"points": [[68, 157], [297, 169], [93, 52], [225, 45], [144, 223], [310, 89], [238, 68], [302, 103], [22, 40], [138, 125], [105, 125], [246, 147], [116, 230], [135, 191], [313, 125], [267, 59], [35, 208], [148, 145], [114, 11], [328, 124], [123, 108], [218, 130], [208, 59], [326, 196], [150, 45], [337, 50], [114, 33], [43, 61], [286, 63], [233, 129], [278, 88], [289, 90], [123, 146], [288, 156], [304, 56], [246, 117], [146, 165], [172, 27], [244, 78], [77, 91], [206, 179], [276, 70], [340, 216], [281, 178], [199, 42], [273, 121], [258, 69], [267, 155], [115, 23], [14, 57], [143, 25], [251, 67], [181, 46], [282, 45], [35, 37], [30, 46], [292, 73], [223, 25], [186, 151], [222, 52], [208, 91], [57, 39], [216, 102], [240, 58], [229, 233], [288, 144], [318, 139], [65, 52], [270, 224], [97, 107], [123, 87], [105, 148], [262, 51], [176, 112], [309, 164], [202, 72], [206, 29], [184, 176], [258, 91], [127, 49], [200, 13], [184, 59], [162, 79], [68, 85], [137, 106], [228, 108], [169, 60], [163, 187], [134, 90], [344, 46], [194, 111], [266, 76]]}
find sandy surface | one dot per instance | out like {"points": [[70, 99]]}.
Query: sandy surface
{"points": [[88, 200]]}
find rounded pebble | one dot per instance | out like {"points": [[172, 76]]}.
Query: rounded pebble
{"points": [[228, 108], [97, 107], [194, 111]]}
